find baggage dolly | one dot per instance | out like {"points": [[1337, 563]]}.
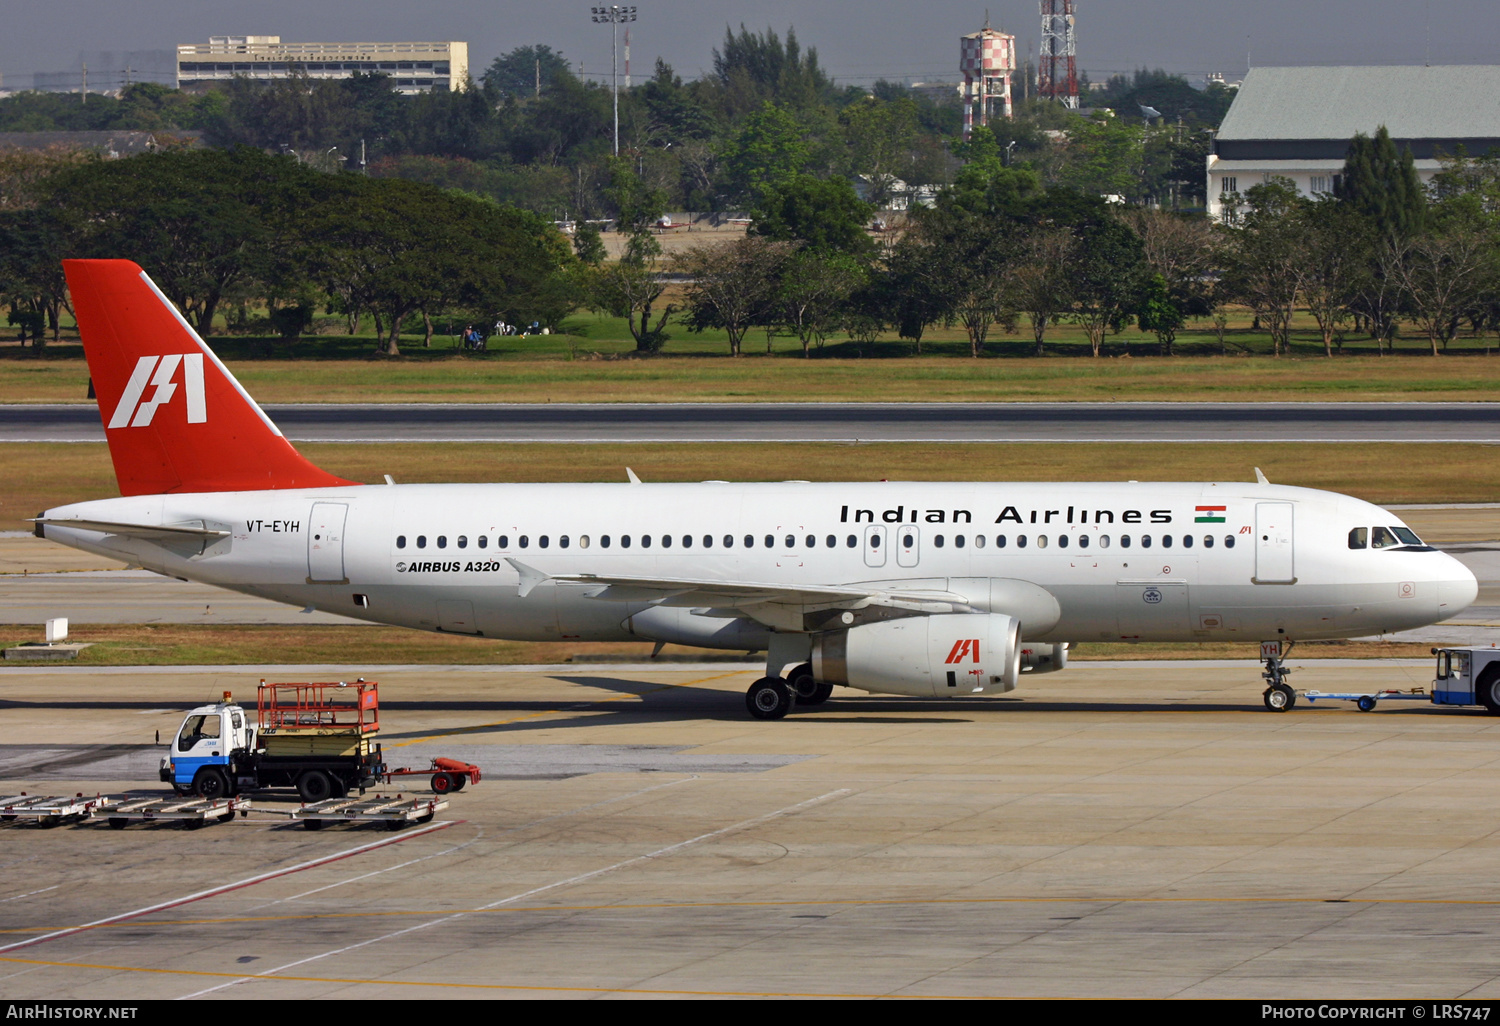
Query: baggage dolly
{"points": [[395, 813], [50, 810], [192, 813]]}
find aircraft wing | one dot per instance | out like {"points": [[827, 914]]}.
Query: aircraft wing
{"points": [[158, 531], [744, 595]]}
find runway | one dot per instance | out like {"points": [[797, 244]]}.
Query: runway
{"points": [[832, 422], [1113, 831]]}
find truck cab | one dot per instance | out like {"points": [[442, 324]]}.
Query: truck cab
{"points": [[207, 748], [1467, 676]]}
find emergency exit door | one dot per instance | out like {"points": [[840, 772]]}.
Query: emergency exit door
{"points": [[1274, 557]]}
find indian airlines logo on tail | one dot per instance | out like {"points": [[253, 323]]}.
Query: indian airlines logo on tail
{"points": [[135, 409], [962, 648]]}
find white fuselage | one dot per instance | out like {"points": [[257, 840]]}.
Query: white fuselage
{"points": [[1135, 562]]}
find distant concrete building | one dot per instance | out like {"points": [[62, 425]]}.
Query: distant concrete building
{"points": [[413, 67], [1296, 123]]}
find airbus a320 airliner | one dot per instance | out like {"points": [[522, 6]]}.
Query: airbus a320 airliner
{"points": [[907, 588]]}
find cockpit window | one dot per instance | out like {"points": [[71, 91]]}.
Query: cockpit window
{"points": [[1359, 538], [1407, 535], [1384, 539]]}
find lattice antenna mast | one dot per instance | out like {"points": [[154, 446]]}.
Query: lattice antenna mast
{"points": [[1057, 63]]}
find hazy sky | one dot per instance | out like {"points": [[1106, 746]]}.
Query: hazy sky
{"points": [[857, 42]]}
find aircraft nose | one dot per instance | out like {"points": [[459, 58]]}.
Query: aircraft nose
{"points": [[1458, 590]]}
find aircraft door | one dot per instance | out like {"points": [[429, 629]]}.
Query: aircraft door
{"points": [[456, 616], [1152, 610], [908, 545], [1274, 543], [325, 543], [874, 545]]}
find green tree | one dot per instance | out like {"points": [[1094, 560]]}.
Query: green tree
{"points": [[769, 149], [1382, 184], [1262, 264], [822, 214], [1158, 312], [813, 290], [881, 136], [518, 72], [731, 285]]}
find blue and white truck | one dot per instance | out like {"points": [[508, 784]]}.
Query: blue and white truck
{"points": [[316, 737]]}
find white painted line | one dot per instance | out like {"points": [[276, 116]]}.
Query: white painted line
{"points": [[249, 881], [581, 877], [28, 894]]}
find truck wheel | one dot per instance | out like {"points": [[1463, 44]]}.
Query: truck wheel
{"points": [[211, 783], [1487, 689], [1365, 703], [312, 824], [315, 786], [459, 780], [118, 822], [442, 783]]}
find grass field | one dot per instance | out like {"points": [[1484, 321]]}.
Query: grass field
{"points": [[248, 645], [598, 367], [41, 476]]}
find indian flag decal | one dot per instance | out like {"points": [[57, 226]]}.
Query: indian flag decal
{"points": [[1210, 514]]}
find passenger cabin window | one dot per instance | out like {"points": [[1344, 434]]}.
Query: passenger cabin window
{"points": [[1020, 541], [421, 541], [1145, 541], [645, 541], [543, 541], [442, 541], [400, 541], [1104, 541], [1208, 541], [979, 541], [604, 541], [1041, 541], [851, 541], [463, 541], [832, 542], [524, 541], [958, 541], [484, 541], [1359, 538], [502, 542], [562, 542], [999, 541], [1062, 541], [1229, 541], [1124, 541]]}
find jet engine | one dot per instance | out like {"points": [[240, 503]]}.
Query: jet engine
{"points": [[945, 654], [1044, 658]]}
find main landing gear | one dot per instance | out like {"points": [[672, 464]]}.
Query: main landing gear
{"points": [[1278, 696], [771, 698]]}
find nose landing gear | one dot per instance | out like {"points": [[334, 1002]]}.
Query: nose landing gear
{"points": [[1278, 696]]}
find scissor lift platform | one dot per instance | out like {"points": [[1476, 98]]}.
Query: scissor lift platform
{"points": [[394, 813], [192, 813], [50, 810]]}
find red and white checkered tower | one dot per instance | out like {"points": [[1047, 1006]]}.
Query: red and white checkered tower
{"points": [[987, 59], [1057, 66]]}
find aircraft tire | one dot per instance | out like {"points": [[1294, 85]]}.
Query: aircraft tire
{"points": [[769, 699], [808, 690], [1279, 698]]}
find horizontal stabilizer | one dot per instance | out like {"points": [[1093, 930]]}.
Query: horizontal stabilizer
{"points": [[133, 530]]}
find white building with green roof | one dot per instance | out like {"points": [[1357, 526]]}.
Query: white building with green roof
{"points": [[1296, 123]]}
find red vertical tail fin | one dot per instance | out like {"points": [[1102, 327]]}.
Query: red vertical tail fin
{"points": [[175, 418]]}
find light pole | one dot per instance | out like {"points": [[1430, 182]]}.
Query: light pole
{"points": [[614, 14]]}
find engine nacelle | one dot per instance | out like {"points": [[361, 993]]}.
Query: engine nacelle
{"points": [[947, 654], [1044, 658]]}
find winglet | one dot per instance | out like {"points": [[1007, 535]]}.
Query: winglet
{"points": [[631, 474], [1259, 477], [530, 576]]}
